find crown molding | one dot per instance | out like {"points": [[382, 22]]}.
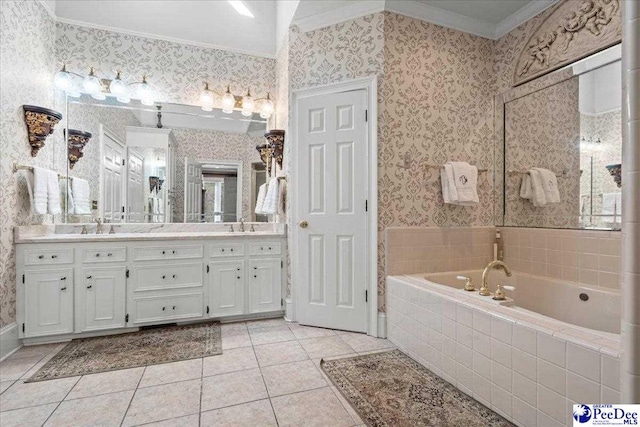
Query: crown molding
{"points": [[46, 7], [344, 13], [521, 16], [163, 38]]}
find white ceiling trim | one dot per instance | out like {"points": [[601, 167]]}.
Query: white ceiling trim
{"points": [[521, 16], [438, 16], [47, 7], [164, 38], [341, 14]]}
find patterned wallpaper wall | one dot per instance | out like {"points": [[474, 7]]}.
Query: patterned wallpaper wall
{"points": [[543, 130], [213, 145], [27, 61]]}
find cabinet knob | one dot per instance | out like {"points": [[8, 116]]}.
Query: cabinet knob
{"points": [[164, 252], [231, 249], [174, 276], [164, 277], [89, 277], [163, 308], [255, 268], [63, 289], [174, 307], [173, 252], [255, 276], [109, 254], [269, 247], [40, 256], [54, 256], [222, 249], [238, 277], [89, 287], [238, 268], [261, 248], [97, 255], [63, 278]]}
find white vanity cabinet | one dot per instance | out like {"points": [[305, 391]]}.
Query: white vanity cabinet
{"points": [[93, 286]]}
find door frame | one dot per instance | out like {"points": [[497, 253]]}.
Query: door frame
{"points": [[238, 164], [370, 85], [104, 133]]}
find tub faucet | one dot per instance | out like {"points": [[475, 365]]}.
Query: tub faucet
{"points": [[484, 289]]}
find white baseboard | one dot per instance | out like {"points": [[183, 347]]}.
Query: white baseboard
{"points": [[9, 341], [288, 310], [382, 325]]}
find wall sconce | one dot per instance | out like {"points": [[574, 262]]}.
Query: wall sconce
{"points": [[272, 148], [229, 101], [40, 124], [616, 173], [76, 140]]}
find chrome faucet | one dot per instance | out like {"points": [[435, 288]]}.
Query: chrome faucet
{"points": [[99, 226], [484, 289], [242, 224]]}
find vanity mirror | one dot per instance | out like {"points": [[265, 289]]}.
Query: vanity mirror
{"points": [[559, 147], [162, 163]]}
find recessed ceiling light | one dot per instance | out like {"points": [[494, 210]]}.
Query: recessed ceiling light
{"points": [[241, 8]]}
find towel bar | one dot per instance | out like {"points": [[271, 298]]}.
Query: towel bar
{"points": [[17, 167], [564, 173]]}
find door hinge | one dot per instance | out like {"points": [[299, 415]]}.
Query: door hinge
{"points": [[23, 278], [366, 115], [366, 205], [126, 318], [366, 296], [281, 266], [207, 309], [23, 327], [207, 271], [281, 302], [127, 273]]}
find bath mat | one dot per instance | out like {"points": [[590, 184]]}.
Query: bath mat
{"points": [[147, 347], [391, 389]]}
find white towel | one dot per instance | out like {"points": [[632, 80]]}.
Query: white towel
{"points": [[81, 196], [611, 205], [38, 188], [537, 189], [270, 206], [466, 182], [262, 193], [550, 185], [525, 189], [53, 193], [67, 195], [446, 178]]}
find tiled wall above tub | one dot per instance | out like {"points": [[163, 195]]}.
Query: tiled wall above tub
{"points": [[588, 257], [412, 250]]}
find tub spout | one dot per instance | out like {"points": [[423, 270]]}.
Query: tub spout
{"points": [[484, 290]]}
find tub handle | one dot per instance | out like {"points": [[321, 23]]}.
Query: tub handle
{"points": [[509, 288], [468, 286]]}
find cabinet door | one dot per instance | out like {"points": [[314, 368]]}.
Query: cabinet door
{"points": [[101, 298], [226, 287], [265, 285], [48, 302]]}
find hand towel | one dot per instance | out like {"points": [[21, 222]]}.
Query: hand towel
{"points": [[537, 187], [38, 190], [81, 194], [262, 193], [525, 189], [449, 185], [270, 206], [465, 178], [67, 195], [550, 185], [53, 193], [445, 184]]}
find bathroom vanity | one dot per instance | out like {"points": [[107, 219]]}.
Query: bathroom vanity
{"points": [[71, 285]]}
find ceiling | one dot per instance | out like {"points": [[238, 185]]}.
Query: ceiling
{"points": [[491, 11], [212, 23]]}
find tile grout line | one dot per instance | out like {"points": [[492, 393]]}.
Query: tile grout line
{"points": [[60, 403], [202, 385], [275, 417], [124, 416]]}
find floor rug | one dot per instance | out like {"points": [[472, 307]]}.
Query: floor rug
{"points": [[391, 389], [147, 347]]}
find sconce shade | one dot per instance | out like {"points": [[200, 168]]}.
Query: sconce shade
{"points": [[247, 105], [118, 88], [40, 124], [76, 140]]}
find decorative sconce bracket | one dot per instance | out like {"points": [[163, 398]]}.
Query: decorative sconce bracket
{"points": [[616, 173], [76, 140], [40, 124], [272, 148]]}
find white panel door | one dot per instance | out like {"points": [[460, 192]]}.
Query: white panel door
{"points": [[48, 302], [101, 298], [192, 191], [226, 287], [135, 187], [113, 176], [265, 285], [331, 195]]}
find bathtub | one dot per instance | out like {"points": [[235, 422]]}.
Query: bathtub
{"points": [[530, 358]]}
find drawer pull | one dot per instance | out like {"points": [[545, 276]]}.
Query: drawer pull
{"points": [[109, 254], [63, 289], [163, 308], [238, 268], [98, 254], [164, 277], [164, 252], [40, 256], [174, 276], [238, 277], [173, 252], [89, 287], [255, 268], [174, 307], [255, 276], [63, 278], [231, 249], [269, 247], [222, 249], [54, 256], [89, 277]]}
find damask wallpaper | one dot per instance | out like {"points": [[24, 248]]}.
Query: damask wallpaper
{"points": [[27, 61], [543, 130], [176, 71], [213, 145]]}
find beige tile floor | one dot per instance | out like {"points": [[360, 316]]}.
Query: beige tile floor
{"points": [[268, 375]]}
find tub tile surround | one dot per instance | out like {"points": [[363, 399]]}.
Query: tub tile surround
{"points": [[531, 375]]}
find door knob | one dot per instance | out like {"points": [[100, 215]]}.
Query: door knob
{"points": [[304, 224]]}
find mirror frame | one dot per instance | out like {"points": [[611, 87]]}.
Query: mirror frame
{"points": [[500, 101]]}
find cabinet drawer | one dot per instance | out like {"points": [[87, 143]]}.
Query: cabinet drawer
{"points": [[179, 306], [147, 253], [104, 255], [266, 248], [226, 250], [167, 276], [48, 256]]}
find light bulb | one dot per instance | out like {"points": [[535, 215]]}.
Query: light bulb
{"points": [[117, 87], [124, 99], [247, 105], [228, 102], [266, 110], [99, 96], [206, 98], [91, 83], [63, 79], [145, 93]]}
